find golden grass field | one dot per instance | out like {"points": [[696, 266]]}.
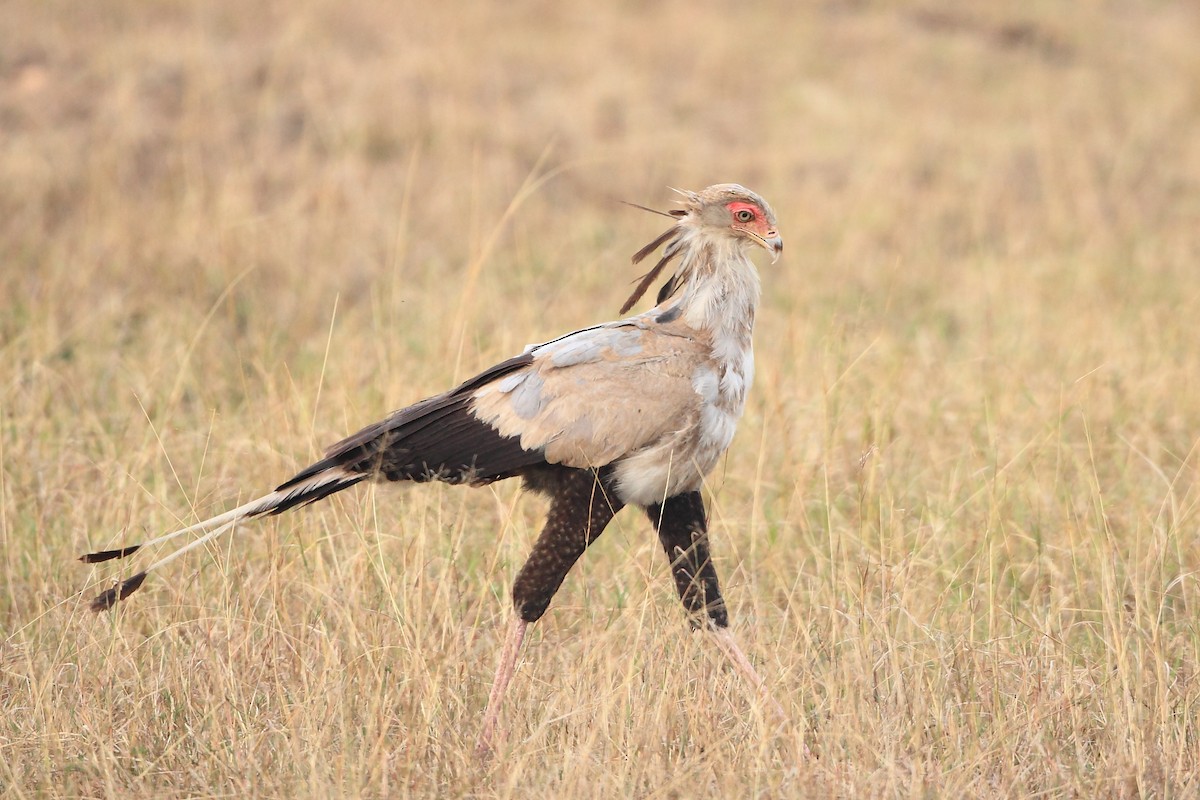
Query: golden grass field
{"points": [[957, 528]]}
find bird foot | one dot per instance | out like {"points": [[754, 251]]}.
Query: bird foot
{"points": [[729, 646]]}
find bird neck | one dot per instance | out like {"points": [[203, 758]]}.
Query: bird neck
{"points": [[720, 289]]}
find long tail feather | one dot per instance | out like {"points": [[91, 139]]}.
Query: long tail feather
{"points": [[109, 597], [293, 494], [250, 509], [108, 555]]}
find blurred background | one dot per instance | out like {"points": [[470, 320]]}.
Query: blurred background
{"points": [[231, 233]]}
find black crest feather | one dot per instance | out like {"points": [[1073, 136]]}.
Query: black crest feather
{"points": [[649, 278], [645, 280]]}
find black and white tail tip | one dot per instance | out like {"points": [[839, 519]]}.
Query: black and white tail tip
{"points": [[296, 492]]}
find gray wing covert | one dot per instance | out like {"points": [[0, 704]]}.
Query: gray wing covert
{"points": [[596, 395]]}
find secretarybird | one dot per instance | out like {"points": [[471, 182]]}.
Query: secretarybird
{"points": [[633, 412]]}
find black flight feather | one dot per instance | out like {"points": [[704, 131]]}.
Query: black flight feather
{"points": [[435, 439]]}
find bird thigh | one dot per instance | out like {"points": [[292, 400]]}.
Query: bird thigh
{"points": [[580, 508], [683, 530]]}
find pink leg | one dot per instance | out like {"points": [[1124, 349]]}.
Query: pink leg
{"points": [[729, 647], [504, 673]]}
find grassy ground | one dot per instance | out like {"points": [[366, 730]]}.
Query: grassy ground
{"points": [[958, 526]]}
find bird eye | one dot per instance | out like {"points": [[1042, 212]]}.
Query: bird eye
{"points": [[743, 215]]}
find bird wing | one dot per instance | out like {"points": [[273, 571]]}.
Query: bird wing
{"points": [[436, 439], [582, 400], [593, 396]]}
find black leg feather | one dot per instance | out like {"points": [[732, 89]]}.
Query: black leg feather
{"points": [[683, 530], [580, 508]]}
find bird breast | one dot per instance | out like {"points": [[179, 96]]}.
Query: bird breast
{"points": [[678, 462]]}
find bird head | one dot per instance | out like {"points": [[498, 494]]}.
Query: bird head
{"points": [[728, 209], [722, 211]]}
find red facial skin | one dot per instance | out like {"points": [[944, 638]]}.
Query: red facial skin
{"points": [[757, 225]]}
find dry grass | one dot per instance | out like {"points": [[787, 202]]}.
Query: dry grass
{"points": [[958, 527]]}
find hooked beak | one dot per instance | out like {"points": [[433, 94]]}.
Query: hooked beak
{"points": [[772, 243]]}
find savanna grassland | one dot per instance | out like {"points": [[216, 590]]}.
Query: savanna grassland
{"points": [[958, 528]]}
